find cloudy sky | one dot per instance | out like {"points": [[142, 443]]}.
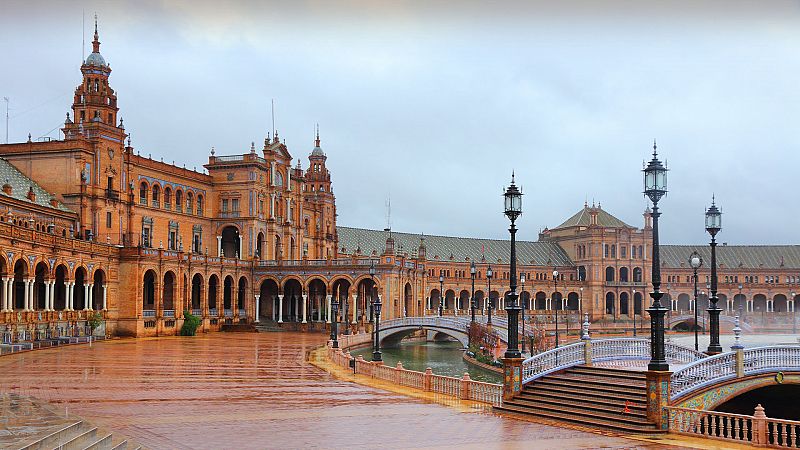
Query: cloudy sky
{"points": [[433, 104]]}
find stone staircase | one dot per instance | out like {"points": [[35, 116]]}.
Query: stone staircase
{"points": [[590, 396], [80, 436], [267, 326]]}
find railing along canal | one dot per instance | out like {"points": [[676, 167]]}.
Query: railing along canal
{"points": [[464, 388], [757, 429]]}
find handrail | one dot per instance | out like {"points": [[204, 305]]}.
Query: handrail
{"points": [[722, 367], [553, 360]]}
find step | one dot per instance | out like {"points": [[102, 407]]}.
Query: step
{"points": [[121, 446], [80, 441], [639, 397], [604, 380], [56, 438], [616, 373], [103, 443], [636, 409], [578, 411], [583, 420], [590, 387]]}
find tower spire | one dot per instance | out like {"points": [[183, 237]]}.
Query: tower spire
{"points": [[316, 142], [96, 41]]}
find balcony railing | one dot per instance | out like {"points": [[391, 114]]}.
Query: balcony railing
{"points": [[112, 194], [228, 313], [149, 313], [197, 312], [169, 313], [242, 312], [213, 312]]}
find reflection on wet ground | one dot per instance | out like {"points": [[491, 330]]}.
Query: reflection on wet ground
{"points": [[256, 391]]}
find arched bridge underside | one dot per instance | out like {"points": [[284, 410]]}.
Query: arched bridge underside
{"points": [[393, 331], [710, 397], [703, 321]]}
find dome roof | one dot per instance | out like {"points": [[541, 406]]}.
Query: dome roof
{"points": [[317, 151], [96, 59]]}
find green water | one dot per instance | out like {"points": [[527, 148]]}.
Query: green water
{"points": [[444, 358]]}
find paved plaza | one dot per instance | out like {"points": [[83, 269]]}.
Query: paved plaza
{"points": [[258, 391]]}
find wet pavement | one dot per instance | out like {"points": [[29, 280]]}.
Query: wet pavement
{"points": [[258, 391]]}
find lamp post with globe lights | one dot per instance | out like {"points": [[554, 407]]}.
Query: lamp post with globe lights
{"points": [[472, 272], [713, 226], [695, 261], [513, 209], [489, 274], [655, 187], [555, 291], [441, 293], [522, 302]]}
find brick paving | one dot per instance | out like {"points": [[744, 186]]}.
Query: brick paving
{"points": [[257, 391]]}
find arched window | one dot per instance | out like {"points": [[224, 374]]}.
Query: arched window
{"points": [[609, 273], [199, 205], [189, 202], [179, 200], [143, 193], [167, 198], [156, 195]]}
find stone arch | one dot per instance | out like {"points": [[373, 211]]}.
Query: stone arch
{"points": [[231, 242], [168, 289], [41, 276], [740, 303], [623, 274], [227, 292], [610, 274], [268, 290], [525, 300], [611, 304], [261, 246], [155, 190], [780, 303], [99, 289], [241, 297], [408, 301], [684, 302], [624, 309], [317, 294], [60, 289], [463, 300], [149, 290], [213, 291], [573, 301], [292, 298], [759, 303], [449, 299], [480, 297], [367, 290], [198, 288], [637, 303], [78, 291], [144, 191], [540, 303], [637, 274], [318, 278], [555, 300]]}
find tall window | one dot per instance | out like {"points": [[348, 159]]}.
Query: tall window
{"points": [[167, 198], [108, 219], [224, 205], [199, 205], [143, 193], [156, 196]]}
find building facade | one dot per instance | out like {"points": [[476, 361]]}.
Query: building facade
{"points": [[88, 224]]}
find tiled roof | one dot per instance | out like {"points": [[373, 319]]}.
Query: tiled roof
{"points": [[20, 184], [528, 253], [583, 218], [735, 256]]}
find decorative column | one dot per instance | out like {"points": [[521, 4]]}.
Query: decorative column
{"points": [[258, 306], [355, 307], [90, 298], [4, 298], [105, 297], [280, 308], [219, 246], [67, 296], [319, 308], [328, 299], [28, 295], [305, 301], [85, 297], [47, 295]]}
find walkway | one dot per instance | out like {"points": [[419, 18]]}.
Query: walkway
{"points": [[256, 391]]}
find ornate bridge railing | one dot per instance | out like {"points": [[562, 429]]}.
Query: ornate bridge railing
{"points": [[454, 323], [588, 351], [757, 429], [735, 364]]}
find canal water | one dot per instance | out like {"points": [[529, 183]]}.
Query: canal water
{"points": [[444, 358]]}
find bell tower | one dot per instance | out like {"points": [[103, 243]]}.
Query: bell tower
{"points": [[95, 101]]}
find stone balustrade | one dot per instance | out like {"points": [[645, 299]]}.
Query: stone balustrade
{"points": [[757, 430]]}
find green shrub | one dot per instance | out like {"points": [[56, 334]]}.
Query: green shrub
{"points": [[190, 324], [95, 321]]}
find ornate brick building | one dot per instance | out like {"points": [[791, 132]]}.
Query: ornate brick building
{"points": [[89, 224]]}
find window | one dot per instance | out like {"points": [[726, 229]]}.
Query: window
{"points": [[156, 195], [641, 255], [605, 250], [143, 193], [147, 232], [622, 250], [613, 251], [167, 198], [235, 205], [224, 205], [108, 219], [172, 237], [179, 200], [110, 183], [199, 205], [197, 239]]}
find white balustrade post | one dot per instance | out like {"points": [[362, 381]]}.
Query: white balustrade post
{"points": [[355, 307], [328, 299], [258, 307], [280, 308], [305, 302]]}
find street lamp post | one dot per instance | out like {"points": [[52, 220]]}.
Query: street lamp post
{"points": [[376, 346], [794, 314], [344, 316], [335, 322], [634, 312], [489, 301], [472, 272], [513, 208], [555, 291], [695, 261], [655, 187], [522, 296], [713, 226], [441, 293]]}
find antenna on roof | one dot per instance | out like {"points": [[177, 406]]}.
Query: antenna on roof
{"points": [[389, 213], [83, 35], [273, 116]]}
